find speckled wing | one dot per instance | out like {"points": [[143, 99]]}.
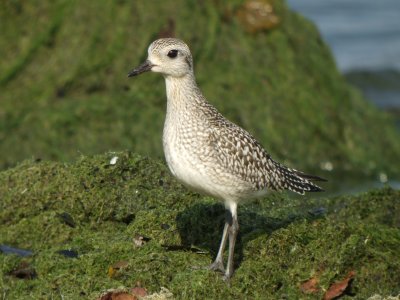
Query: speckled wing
{"points": [[243, 156]]}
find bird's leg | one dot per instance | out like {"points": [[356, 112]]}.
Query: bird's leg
{"points": [[233, 230], [218, 264]]}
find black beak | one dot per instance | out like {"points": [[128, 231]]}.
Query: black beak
{"points": [[144, 67]]}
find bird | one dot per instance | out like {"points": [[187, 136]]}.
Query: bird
{"points": [[210, 154]]}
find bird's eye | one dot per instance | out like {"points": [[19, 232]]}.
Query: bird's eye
{"points": [[172, 53]]}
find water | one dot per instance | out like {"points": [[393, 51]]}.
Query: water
{"points": [[364, 36]]}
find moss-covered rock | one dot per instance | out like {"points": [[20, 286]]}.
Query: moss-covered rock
{"points": [[103, 211], [64, 88]]}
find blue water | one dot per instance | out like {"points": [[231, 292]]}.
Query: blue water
{"points": [[363, 34]]}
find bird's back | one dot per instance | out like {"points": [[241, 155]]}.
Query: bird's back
{"points": [[241, 154]]}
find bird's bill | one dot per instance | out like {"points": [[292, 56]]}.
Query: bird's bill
{"points": [[144, 67]]}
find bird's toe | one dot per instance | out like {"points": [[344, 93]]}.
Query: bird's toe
{"points": [[217, 266], [227, 278]]}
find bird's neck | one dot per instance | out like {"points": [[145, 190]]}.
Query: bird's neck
{"points": [[182, 92]]}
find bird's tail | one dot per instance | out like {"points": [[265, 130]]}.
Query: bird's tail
{"points": [[299, 182]]}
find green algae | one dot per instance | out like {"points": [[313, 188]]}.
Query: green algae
{"points": [[284, 241], [65, 91]]}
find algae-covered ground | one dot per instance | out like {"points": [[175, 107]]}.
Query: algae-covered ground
{"points": [[95, 222], [64, 89], [100, 211]]}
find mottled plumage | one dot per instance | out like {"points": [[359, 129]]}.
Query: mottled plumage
{"points": [[207, 152]]}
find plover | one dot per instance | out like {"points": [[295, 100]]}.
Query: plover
{"points": [[210, 154]]}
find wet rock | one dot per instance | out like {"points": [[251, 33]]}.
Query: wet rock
{"points": [[11, 250], [67, 219], [68, 253]]}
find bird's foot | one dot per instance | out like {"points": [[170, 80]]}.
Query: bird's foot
{"points": [[217, 266], [227, 279]]}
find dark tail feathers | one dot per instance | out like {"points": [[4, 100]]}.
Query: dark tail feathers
{"points": [[300, 182], [308, 176]]}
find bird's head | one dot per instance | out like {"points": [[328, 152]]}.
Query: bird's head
{"points": [[169, 56]]}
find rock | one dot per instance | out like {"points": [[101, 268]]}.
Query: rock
{"points": [[282, 244], [282, 85]]}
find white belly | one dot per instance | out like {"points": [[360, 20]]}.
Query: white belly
{"points": [[186, 168], [202, 176]]}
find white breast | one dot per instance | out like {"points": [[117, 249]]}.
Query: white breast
{"points": [[184, 164]]}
